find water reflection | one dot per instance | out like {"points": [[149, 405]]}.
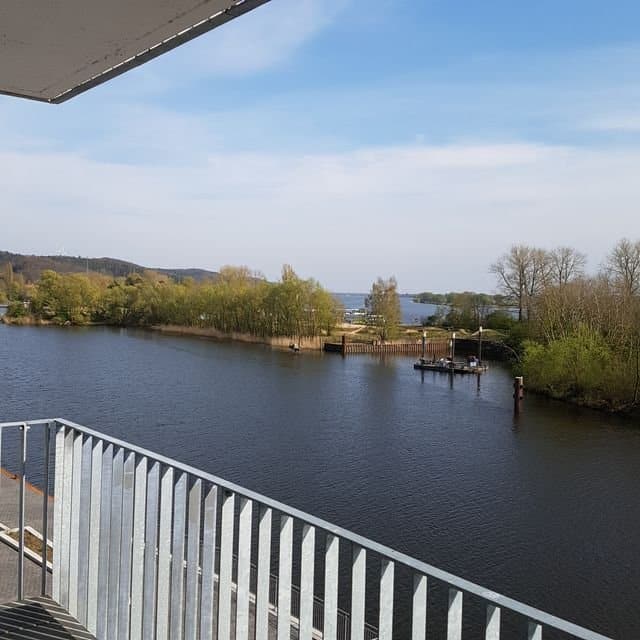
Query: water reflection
{"points": [[543, 508]]}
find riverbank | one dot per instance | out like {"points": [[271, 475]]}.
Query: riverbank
{"points": [[277, 342], [24, 321], [309, 343]]}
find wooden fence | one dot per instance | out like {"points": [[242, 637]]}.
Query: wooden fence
{"points": [[433, 349]]}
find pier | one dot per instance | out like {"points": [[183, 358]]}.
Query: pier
{"points": [[433, 348]]}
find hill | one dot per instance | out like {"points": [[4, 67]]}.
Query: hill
{"points": [[30, 267]]}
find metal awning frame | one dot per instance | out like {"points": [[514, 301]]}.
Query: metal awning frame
{"points": [[216, 20]]}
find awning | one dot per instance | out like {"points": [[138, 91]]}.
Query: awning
{"points": [[52, 50]]}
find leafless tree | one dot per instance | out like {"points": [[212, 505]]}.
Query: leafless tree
{"points": [[623, 265], [522, 273], [566, 264]]}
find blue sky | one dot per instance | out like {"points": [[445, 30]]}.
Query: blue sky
{"points": [[351, 139]]}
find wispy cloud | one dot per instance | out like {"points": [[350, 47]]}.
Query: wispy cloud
{"points": [[343, 217], [259, 40], [616, 123]]}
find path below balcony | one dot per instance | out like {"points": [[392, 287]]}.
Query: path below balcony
{"points": [[9, 500]]}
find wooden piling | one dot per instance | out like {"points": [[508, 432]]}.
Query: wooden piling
{"points": [[518, 394]]}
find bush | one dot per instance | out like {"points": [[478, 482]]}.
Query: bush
{"points": [[500, 321], [580, 366], [17, 309]]}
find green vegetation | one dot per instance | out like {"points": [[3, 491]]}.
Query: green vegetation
{"points": [[12, 286], [578, 335], [238, 300], [383, 307]]}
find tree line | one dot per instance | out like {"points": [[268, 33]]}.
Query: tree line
{"points": [[238, 300], [490, 299], [580, 332]]}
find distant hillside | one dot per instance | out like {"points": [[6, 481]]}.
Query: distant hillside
{"points": [[32, 266]]}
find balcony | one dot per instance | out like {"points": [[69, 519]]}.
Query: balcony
{"points": [[145, 547]]}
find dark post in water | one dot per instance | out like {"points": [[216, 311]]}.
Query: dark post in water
{"points": [[424, 344], [518, 394], [344, 344]]}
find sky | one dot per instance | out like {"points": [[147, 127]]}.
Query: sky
{"points": [[351, 139]]}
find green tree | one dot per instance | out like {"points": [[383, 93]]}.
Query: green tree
{"points": [[383, 305]]}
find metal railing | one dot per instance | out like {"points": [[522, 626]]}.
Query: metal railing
{"points": [[148, 547]]}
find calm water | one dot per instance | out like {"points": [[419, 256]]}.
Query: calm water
{"points": [[544, 509], [412, 312]]}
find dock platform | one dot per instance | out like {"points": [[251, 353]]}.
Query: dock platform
{"points": [[452, 367]]}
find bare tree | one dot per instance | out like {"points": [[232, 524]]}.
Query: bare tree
{"points": [[522, 273], [566, 264], [623, 266]]}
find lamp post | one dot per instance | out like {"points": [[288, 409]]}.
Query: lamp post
{"points": [[480, 345]]}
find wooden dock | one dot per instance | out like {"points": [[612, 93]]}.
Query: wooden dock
{"points": [[433, 349]]}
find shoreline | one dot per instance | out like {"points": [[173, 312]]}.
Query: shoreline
{"points": [[276, 342], [307, 344]]}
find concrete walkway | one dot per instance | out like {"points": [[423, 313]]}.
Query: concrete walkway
{"points": [[9, 498]]}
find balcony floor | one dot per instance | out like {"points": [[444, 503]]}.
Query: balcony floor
{"points": [[39, 618]]}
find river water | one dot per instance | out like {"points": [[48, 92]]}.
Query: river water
{"points": [[412, 312], [544, 508]]}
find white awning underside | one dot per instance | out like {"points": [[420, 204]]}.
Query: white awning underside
{"points": [[51, 50]]}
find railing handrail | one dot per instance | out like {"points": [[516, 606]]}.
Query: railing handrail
{"points": [[417, 565]]}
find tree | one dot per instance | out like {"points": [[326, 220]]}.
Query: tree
{"points": [[522, 273], [468, 310], [566, 264], [623, 266], [383, 305]]}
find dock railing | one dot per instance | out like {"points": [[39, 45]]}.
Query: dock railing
{"points": [[147, 547]]}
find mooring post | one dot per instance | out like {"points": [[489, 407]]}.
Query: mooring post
{"points": [[480, 346], [518, 394], [424, 344], [344, 345]]}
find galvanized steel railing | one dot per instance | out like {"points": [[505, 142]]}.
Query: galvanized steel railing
{"points": [[147, 547]]}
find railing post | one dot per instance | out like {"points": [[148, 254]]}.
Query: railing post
{"points": [[264, 569], [454, 617], [23, 470], [284, 577], [534, 631], [358, 590], [493, 623], [332, 561], [57, 513], [306, 582], [45, 508], [419, 620], [385, 625], [208, 562], [226, 566]]}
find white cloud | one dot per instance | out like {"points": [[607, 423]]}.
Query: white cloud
{"points": [[258, 40], [617, 122], [434, 216]]}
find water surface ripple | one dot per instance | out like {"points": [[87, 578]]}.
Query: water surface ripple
{"points": [[544, 509]]}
